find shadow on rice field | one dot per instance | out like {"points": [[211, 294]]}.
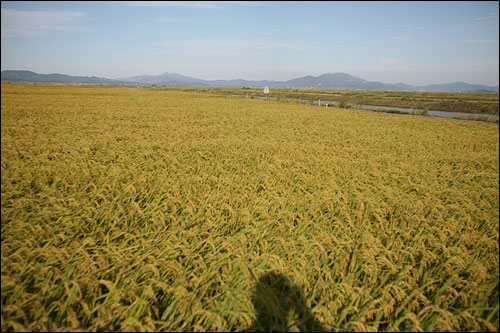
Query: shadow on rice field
{"points": [[281, 307]]}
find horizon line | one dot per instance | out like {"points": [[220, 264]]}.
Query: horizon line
{"points": [[197, 78]]}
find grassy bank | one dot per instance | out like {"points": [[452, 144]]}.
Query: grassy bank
{"points": [[469, 102]]}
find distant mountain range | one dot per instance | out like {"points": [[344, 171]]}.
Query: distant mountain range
{"points": [[28, 76], [326, 81]]}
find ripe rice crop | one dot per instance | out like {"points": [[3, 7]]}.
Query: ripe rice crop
{"points": [[126, 209]]}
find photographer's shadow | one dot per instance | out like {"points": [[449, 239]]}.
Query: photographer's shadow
{"points": [[275, 296]]}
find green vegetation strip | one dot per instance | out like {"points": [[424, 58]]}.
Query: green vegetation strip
{"points": [[467, 102], [126, 209]]}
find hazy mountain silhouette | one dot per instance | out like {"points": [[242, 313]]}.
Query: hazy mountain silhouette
{"points": [[325, 81], [29, 76], [158, 79]]}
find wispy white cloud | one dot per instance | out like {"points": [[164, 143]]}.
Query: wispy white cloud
{"points": [[212, 43], [399, 29], [167, 19], [402, 38], [22, 23], [337, 45], [491, 16], [482, 40], [266, 33], [191, 4], [390, 61]]}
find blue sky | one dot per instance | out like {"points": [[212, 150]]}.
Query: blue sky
{"points": [[411, 42]]}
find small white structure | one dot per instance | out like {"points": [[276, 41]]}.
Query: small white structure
{"points": [[266, 91]]}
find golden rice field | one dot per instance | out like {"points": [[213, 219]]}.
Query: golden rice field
{"points": [[126, 209]]}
